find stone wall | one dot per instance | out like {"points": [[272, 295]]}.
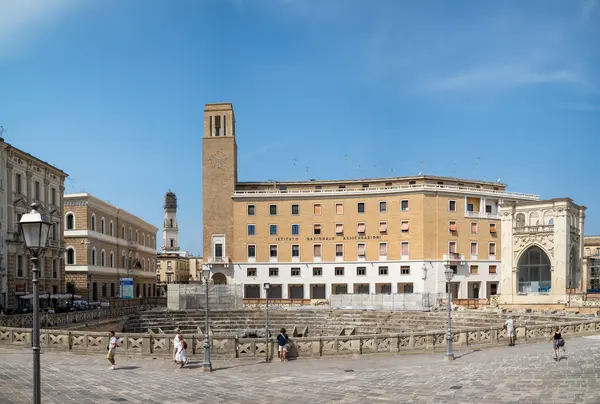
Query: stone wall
{"points": [[252, 348]]}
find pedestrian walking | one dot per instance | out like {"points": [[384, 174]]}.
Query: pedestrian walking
{"points": [[282, 341], [557, 343], [176, 344], [113, 344], [181, 352], [510, 330]]}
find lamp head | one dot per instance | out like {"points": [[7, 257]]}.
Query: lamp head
{"points": [[35, 227]]}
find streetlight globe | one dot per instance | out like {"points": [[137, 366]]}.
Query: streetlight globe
{"points": [[206, 273], [449, 273], [267, 285], [35, 227]]}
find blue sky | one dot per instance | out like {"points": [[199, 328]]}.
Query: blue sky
{"points": [[113, 92]]}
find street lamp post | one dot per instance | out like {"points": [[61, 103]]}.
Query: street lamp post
{"points": [[449, 273], [267, 285], [35, 227], [207, 367]]}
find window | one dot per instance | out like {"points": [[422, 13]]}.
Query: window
{"points": [[252, 230], [218, 250], [273, 251], [317, 208], [104, 290], [123, 232], [18, 183], [404, 227], [251, 210], [361, 271], [70, 221], [70, 256], [404, 206], [53, 196], [137, 236], [452, 206], [93, 256], [251, 251], [112, 290], [273, 229], [361, 228], [473, 228], [102, 225], [273, 271], [295, 272], [37, 190], [474, 248], [251, 272], [493, 228], [452, 226], [102, 258], [492, 249], [492, 269], [383, 270], [273, 210], [93, 223], [382, 207], [339, 250], [317, 229], [404, 248], [469, 207], [452, 247], [339, 271], [295, 210], [317, 271], [383, 249], [19, 266], [404, 270], [361, 250], [474, 269], [361, 207], [488, 208], [383, 227], [339, 208], [295, 250], [317, 250], [112, 259], [295, 229], [123, 261], [55, 269], [339, 228]]}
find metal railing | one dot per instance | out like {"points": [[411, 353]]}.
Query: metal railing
{"points": [[455, 259], [482, 215]]}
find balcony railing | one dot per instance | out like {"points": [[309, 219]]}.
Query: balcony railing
{"points": [[266, 192], [549, 228], [132, 244], [455, 259], [218, 260], [14, 237], [482, 215], [56, 244]]}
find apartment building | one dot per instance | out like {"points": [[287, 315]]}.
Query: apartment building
{"points": [[105, 243], [312, 239], [25, 179]]}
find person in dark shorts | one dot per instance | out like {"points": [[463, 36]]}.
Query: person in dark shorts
{"points": [[282, 341], [557, 342]]}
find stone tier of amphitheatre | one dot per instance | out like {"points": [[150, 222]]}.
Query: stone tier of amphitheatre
{"points": [[314, 323]]}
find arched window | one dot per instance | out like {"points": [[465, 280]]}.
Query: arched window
{"points": [[70, 221], [137, 238], [534, 219], [123, 261], [70, 256], [144, 239], [171, 223], [104, 290], [112, 259], [172, 243], [93, 222], [102, 258], [548, 219], [520, 220], [93, 256], [123, 232], [110, 228], [112, 290], [534, 271], [130, 234], [102, 225]]}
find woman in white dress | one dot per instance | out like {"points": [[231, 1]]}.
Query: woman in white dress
{"points": [[181, 352]]}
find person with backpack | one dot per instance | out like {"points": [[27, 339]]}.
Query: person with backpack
{"points": [[557, 342], [113, 344], [282, 341], [181, 352]]}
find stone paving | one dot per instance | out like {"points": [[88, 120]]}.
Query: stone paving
{"points": [[525, 374]]}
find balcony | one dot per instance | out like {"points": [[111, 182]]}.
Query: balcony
{"points": [[482, 215], [454, 259], [132, 244], [549, 228], [14, 237], [55, 244], [219, 260]]}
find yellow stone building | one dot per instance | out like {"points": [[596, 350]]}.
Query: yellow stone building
{"points": [[104, 244], [312, 239]]}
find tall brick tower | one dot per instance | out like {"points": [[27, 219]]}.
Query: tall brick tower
{"points": [[219, 178]]}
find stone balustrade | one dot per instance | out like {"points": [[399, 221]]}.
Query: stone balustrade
{"points": [[254, 348], [118, 308]]}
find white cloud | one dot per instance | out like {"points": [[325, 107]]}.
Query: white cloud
{"points": [[21, 21], [502, 77]]}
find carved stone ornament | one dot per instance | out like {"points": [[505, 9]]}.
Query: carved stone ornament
{"points": [[218, 159], [546, 241]]}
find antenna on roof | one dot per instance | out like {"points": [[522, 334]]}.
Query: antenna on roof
{"points": [[421, 172], [454, 169], [392, 170]]}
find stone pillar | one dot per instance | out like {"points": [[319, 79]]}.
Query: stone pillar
{"points": [[508, 286], [584, 263], [29, 187], [561, 253], [9, 191]]}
